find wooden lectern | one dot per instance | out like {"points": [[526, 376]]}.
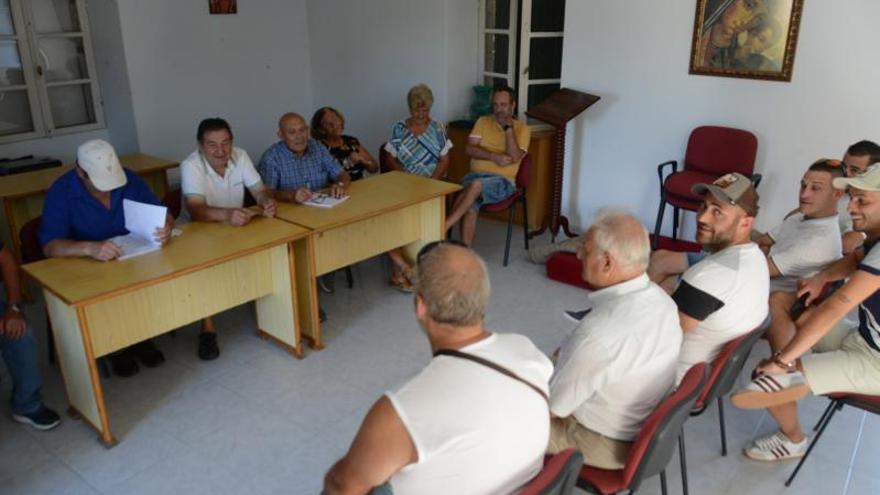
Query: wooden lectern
{"points": [[557, 110]]}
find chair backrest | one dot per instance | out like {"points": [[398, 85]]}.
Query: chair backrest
{"points": [[726, 367], [384, 157], [30, 242], [558, 476], [522, 175], [720, 150], [653, 446], [173, 201]]}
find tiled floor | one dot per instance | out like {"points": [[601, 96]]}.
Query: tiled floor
{"points": [[259, 421]]}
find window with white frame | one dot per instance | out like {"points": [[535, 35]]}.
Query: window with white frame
{"points": [[521, 43], [47, 70]]}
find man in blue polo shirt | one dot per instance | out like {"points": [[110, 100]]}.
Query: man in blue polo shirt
{"points": [[19, 350], [297, 165], [83, 211], [846, 359]]}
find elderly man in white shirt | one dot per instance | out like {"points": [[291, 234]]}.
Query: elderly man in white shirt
{"points": [[621, 360]]}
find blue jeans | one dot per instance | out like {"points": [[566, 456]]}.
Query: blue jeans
{"points": [[20, 356]]}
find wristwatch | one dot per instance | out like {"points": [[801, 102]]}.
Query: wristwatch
{"points": [[777, 360], [506, 127], [16, 307]]}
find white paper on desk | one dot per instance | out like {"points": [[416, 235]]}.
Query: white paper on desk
{"points": [[322, 200], [141, 221]]}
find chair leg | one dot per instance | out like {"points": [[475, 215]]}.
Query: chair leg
{"points": [[683, 459], [663, 482], [349, 277], [675, 214], [825, 414], [723, 431], [525, 221], [509, 233], [813, 443], [103, 367], [660, 210], [50, 333]]}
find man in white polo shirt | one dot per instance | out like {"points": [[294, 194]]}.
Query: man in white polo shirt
{"points": [[621, 360], [212, 181], [846, 359], [725, 294], [461, 425], [805, 242]]}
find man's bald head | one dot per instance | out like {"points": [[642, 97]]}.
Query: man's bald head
{"points": [[453, 283], [293, 130]]}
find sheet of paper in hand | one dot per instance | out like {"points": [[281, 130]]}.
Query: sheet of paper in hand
{"points": [[141, 221]]}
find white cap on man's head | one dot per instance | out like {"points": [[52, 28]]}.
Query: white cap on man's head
{"points": [[98, 159], [869, 180]]}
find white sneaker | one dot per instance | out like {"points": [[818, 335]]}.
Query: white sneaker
{"points": [[771, 390], [775, 447]]}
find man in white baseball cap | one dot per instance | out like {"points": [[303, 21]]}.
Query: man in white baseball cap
{"points": [[846, 358], [83, 211]]}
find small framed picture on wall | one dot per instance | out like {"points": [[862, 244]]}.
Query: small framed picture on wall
{"points": [[223, 6], [753, 39]]}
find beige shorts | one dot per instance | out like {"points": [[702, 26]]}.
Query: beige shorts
{"points": [[843, 362], [598, 450]]}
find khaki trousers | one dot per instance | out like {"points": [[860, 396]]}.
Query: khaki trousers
{"points": [[598, 450]]}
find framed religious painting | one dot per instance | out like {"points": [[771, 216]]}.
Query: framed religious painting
{"points": [[754, 39], [223, 6]]}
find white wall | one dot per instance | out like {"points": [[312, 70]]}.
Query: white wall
{"points": [[186, 65], [635, 56], [113, 79], [366, 55]]}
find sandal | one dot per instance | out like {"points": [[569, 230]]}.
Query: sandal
{"points": [[400, 282]]}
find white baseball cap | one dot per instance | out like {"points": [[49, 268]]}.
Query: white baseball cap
{"points": [[98, 159], [869, 180]]}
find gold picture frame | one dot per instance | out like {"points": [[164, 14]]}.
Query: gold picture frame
{"points": [[753, 39]]}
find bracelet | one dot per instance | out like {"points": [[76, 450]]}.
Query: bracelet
{"points": [[777, 360]]}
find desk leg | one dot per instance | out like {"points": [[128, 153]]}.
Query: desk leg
{"points": [[78, 367], [307, 291], [433, 225], [276, 313]]}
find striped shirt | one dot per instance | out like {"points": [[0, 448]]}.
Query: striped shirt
{"points": [[418, 153]]}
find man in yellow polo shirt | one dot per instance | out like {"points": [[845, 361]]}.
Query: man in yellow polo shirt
{"points": [[496, 145]]}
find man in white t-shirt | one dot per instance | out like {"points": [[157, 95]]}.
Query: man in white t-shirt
{"points": [[460, 426], [621, 359], [846, 359], [212, 182], [805, 242], [725, 294]]}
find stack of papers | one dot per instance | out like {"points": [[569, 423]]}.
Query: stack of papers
{"points": [[141, 221], [322, 200]]}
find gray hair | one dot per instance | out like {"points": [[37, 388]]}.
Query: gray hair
{"points": [[620, 235], [455, 291]]}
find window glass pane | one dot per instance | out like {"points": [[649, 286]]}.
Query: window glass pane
{"points": [[15, 113], [548, 15], [494, 81], [63, 58], [498, 14], [10, 64], [71, 105], [55, 16], [539, 92], [496, 53], [6, 26], [545, 58]]}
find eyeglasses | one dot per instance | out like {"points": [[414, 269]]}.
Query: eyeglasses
{"points": [[427, 248]]}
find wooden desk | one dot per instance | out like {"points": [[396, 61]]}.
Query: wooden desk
{"points": [[384, 212], [98, 308], [23, 193]]}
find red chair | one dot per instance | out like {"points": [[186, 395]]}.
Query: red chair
{"points": [[384, 159], [712, 151], [174, 202], [653, 446], [558, 475], [519, 196], [869, 403], [723, 372]]}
